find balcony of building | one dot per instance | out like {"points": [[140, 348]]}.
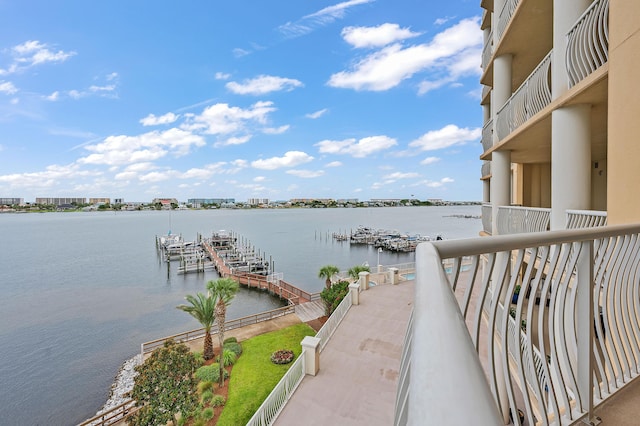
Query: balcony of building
{"points": [[523, 124], [524, 30], [541, 325]]}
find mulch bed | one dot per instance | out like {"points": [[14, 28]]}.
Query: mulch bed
{"points": [[317, 323]]}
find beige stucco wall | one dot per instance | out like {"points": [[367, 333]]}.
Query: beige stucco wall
{"points": [[623, 182]]}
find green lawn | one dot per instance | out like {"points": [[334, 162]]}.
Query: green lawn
{"points": [[254, 375]]}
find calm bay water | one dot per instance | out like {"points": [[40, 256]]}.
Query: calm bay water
{"points": [[79, 292]]}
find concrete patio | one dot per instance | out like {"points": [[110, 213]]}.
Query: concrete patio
{"points": [[359, 366]]}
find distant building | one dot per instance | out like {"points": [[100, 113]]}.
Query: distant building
{"points": [[118, 200], [199, 202], [99, 200], [61, 201], [257, 201], [11, 201]]}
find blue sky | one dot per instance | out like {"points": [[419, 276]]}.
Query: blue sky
{"points": [[244, 99]]}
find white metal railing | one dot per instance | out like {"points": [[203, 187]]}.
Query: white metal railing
{"points": [[487, 51], [329, 327], [487, 136], [486, 168], [275, 402], [588, 42], [579, 295], [487, 219], [505, 16], [517, 220], [577, 219], [530, 98]]}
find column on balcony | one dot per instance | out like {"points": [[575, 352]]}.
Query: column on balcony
{"points": [[570, 126], [500, 160]]}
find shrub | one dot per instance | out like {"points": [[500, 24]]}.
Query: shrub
{"points": [[204, 386], [198, 422], [210, 373], [207, 413], [217, 401], [283, 356], [228, 357], [333, 296], [206, 397], [161, 394], [236, 348], [199, 358], [230, 340]]}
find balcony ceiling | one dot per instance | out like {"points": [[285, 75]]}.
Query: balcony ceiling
{"points": [[528, 37]]}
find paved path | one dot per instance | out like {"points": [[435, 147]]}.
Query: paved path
{"points": [[359, 367]]}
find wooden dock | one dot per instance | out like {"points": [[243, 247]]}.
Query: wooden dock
{"points": [[271, 283]]}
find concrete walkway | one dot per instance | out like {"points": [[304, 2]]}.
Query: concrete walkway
{"points": [[359, 367]]}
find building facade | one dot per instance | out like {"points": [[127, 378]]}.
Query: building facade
{"points": [[99, 200], [559, 107], [60, 201]]}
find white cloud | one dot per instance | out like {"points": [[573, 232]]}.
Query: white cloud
{"points": [[334, 164], [434, 184], [306, 174], [449, 135], [234, 140], [317, 114], [33, 52], [238, 52], [8, 87], [319, 19], [49, 178], [53, 97], [429, 160], [152, 120], [362, 148], [112, 76], [259, 179], [221, 119], [222, 76], [118, 150], [379, 36], [157, 176], [290, 159], [450, 51], [399, 175], [275, 130], [204, 172], [263, 84]]}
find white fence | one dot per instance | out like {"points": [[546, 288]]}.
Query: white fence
{"points": [[577, 219]]}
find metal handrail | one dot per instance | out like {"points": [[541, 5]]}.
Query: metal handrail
{"points": [[531, 97], [330, 326], [487, 136], [578, 293], [505, 16], [577, 219], [588, 42], [487, 220], [516, 220], [273, 405], [487, 51]]}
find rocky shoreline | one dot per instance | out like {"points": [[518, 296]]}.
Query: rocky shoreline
{"points": [[122, 384]]}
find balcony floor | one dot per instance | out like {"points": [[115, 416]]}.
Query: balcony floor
{"points": [[359, 366]]}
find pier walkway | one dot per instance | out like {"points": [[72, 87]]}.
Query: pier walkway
{"points": [[276, 286]]}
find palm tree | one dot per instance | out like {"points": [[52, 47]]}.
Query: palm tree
{"points": [[202, 308], [327, 272], [355, 271], [222, 291]]}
